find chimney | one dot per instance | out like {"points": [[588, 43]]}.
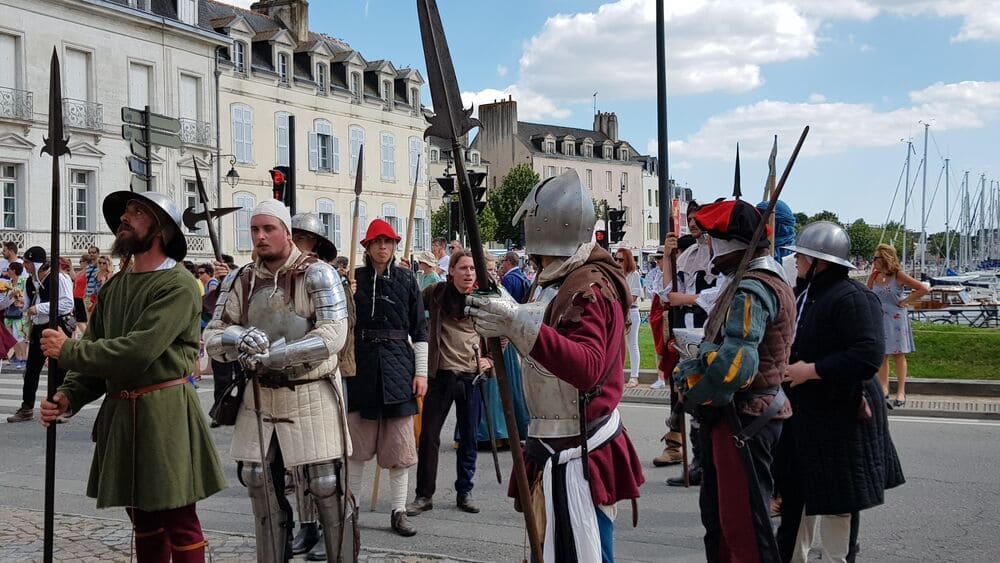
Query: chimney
{"points": [[499, 117], [607, 123], [293, 15]]}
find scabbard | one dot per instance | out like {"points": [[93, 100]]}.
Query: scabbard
{"points": [[582, 402]]}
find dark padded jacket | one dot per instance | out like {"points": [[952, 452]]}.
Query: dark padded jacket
{"points": [[842, 463], [383, 386]]}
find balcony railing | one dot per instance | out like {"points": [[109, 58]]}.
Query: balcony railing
{"points": [[16, 104], [195, 132], [82, 114]]}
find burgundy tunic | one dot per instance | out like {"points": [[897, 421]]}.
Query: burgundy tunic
{"points": [[580, 353]]}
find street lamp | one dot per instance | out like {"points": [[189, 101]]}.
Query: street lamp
{"points": [[232, 177]]}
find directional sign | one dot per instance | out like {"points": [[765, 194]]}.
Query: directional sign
{"points": [[156, 121], [138, 148], [137, 166], [139, 184], [169, 140]]}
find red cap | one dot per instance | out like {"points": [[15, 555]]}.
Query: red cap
{"points": [[378, 228], [731, 220]]}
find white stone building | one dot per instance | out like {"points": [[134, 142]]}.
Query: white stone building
{"points": [[113, 53], [277, 73]]}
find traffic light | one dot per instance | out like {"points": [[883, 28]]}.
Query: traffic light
{"points": [[279, 178], [478, 190], [601, 238], [447, 184], [616, 225]]}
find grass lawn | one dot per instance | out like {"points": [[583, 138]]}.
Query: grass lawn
{"points": [[943, 351]]}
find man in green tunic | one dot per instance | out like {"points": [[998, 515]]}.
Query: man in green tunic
{"points": [[154, 454]]}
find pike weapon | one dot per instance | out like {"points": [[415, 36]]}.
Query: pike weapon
{"points": [[451, 121], [413, 212], [192, 217], [480, 383], [769, 186], [354, 219], [737, 191], [675, 320], [725, 298], [56, 145]]}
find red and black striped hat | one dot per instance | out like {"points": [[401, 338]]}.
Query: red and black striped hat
{"points": [[734, 220]]}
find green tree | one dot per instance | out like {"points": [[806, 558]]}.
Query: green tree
{"points": [[825, 216], [864, 239], [487, 225], [801, 220], [439, 222], [507, 199]]}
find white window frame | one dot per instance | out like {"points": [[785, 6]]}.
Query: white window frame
{"points": [[625, 181], [282, 142], [608, 177], [609, 152], [324, 148], [321, 82], [281, 67], [362, 222], [79, 195], [475, 158], [241, 223], [419, 232], [387, 145], [9, 195], [324, 210], [239, 58], [387, 91], [357, 86], [590, 179], [390, 216], [356, 138], [242, 125], [435, 154], [550, 171], [416, 146]]}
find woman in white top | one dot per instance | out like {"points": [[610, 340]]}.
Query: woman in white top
{"points": [[627, 263]]}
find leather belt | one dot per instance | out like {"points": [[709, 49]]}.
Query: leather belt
{"points": [[282, 381], [378, 334], [136, 393]]}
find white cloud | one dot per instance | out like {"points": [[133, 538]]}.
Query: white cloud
{"points": [[980, 19], [501, 71], [816, 98], [838, 127], [240, 3], [711, 46], [530, 105]]}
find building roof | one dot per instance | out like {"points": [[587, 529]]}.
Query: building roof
{"points": [[529, 134]]}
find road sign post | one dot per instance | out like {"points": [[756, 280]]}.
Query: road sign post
{"points": [[143, 129]]}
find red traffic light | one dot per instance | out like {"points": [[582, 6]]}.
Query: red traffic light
{"points": [[599, 236], [277, 177]]}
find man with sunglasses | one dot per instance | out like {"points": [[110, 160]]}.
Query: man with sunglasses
{"points": [[390, 345]]}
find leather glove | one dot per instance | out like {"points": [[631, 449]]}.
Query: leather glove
{"points": [[500, 315]]}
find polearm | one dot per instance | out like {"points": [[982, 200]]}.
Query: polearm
{"points": [[208, 212], [769, 186], [56, 145], [725, 298], [451, 121], [354, 219], [674, 319], [413, 212]]}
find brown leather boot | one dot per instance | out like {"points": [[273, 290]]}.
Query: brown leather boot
{"points": [[23, 414], [672, 453]]}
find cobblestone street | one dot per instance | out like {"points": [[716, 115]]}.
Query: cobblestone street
{"points": [[83, 539]]}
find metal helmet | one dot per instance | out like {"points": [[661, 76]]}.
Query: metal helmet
{"points": [[169, 215], [826, 241], [309, 223], [558, 216]]}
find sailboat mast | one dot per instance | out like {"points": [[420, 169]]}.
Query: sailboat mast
{"points": [[923, 210], [947, 215], [906, 198]]}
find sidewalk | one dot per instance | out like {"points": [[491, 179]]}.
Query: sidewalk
{"points": [[83, 539], [972, 403]]}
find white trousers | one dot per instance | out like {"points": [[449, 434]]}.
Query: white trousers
{"points": [[834, 537]]}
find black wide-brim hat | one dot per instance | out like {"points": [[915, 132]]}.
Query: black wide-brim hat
{"points": [[169, 217]]}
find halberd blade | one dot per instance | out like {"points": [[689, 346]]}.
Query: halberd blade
{"points": [[450, 120], [55, 144]]}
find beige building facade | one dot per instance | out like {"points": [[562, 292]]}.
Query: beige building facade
{"points": [[113, 54], [293, 97], [607, 165]]}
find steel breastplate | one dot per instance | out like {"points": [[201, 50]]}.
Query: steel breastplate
{"points": [[551, 401], [270, 311]]}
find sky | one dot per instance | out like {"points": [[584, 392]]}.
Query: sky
{"points": [[865, 75]]}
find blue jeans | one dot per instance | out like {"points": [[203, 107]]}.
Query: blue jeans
{"points": [[445, 388]]}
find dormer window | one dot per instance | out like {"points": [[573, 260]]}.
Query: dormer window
{"points": [[321, 84], [569, 148], [240, 57], [623, 153], [609, 152], [435, 155], [282, 68], [474, 158], [549, 147], [587, 149], [415, 100], [187, 11]]}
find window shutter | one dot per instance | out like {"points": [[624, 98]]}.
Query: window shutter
{"points": [[248, 134], [313, 151], [336, 154], [236, 115]]}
